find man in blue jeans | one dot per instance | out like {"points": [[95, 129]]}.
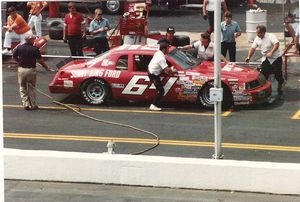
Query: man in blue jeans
{"points": [[98, 28]]}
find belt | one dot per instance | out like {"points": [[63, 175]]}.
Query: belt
{"points": [[27, 67]]}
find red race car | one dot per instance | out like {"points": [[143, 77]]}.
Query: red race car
{"points": [[121, 74]]}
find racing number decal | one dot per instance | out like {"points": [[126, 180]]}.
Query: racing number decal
{"points": [[133, 84], [133, 88]]}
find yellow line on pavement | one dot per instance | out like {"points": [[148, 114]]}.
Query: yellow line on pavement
{"points": [[225, 114], [296, 115], [150, 141]]}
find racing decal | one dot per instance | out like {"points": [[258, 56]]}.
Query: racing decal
{"points": [[150, 47], [181, 73], [230, 67], [184, 78], [192, 73], [199, 82], [237, 98], [242, 103], [68, 84], [136, 47], [133, 88], [106, 73], [107, 62], [117, 85]]}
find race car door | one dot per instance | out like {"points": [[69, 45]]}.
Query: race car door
{"points": [[139, 87]]}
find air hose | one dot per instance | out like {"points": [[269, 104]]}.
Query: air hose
{"points": [[76, 109]]}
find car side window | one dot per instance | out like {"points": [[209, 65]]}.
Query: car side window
{"points": [[142, 62], [122, 63]]}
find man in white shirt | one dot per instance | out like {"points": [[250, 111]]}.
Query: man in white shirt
{"points": [[271, 60], [157, 65], [208, 12], [204, 47]]}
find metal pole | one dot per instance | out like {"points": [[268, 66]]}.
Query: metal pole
{"points": [[217, 78]]}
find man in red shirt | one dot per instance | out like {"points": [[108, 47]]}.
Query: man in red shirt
{"points": [[74, 30]]}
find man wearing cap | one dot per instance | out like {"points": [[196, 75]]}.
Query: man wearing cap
{"points": [[35, 17], [17, 29], [170, 38], [27, 55]]}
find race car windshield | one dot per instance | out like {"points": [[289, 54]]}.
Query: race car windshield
{"points": [[97, 59], [184, 59]]}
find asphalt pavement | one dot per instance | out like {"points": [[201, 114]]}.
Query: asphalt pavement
{"points": [[33, 191]]}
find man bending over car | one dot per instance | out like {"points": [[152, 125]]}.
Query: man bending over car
{"points": [[157, 65]]}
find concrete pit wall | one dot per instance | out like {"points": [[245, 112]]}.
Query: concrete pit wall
{"points": [[277, 178]]}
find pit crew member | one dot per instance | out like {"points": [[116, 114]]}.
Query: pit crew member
{"points": [[271, 60], [204, 47], [157, 65], [170, 38], [26, 55]]}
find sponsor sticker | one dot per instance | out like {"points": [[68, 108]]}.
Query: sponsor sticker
{"points": [[117, 85], [68, 84]]}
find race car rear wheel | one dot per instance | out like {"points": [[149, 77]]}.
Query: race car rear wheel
{"points": [[204, 98], [95, 91]]}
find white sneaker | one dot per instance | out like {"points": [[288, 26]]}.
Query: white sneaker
{"points": [[154, 108], [6, 51]]}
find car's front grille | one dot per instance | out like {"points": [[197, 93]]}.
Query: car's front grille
{"points": [[257, 82], [252, 84]]}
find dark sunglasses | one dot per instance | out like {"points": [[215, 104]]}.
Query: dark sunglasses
{"points": [[99, 14]]}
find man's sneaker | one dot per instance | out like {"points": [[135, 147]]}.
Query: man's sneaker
{"points": [[6, 52], [26, 107], [35, 107], [154, 108]]}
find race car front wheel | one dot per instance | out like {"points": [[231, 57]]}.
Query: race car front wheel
{"points": [[95, 91], [204, 98]]}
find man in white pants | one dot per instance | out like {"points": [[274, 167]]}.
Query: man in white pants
{"points": [[35, 16], [17, 29]]}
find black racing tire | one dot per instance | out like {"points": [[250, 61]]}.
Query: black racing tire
{"points": [[183, 40], [56, 32], [204, 100], [114, 6], [95, 91]]}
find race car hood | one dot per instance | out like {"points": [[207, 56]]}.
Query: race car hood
{"points": [[229, 71]]}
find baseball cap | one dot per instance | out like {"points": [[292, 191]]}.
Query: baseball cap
{"points": [[171, 29]]}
